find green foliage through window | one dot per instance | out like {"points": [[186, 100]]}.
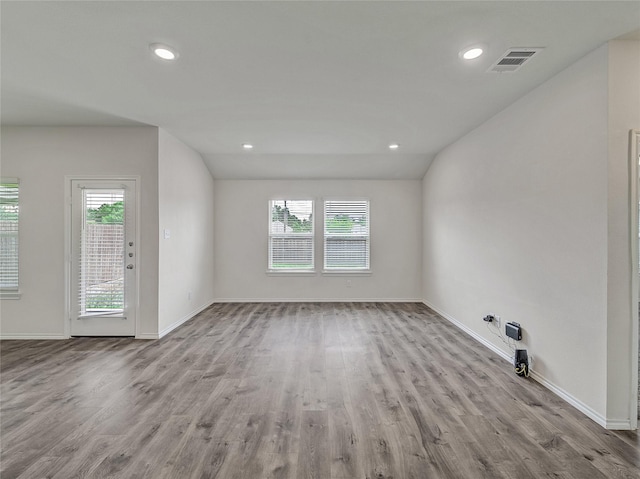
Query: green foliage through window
{"points": [[283, 215], [343, 223], [106, 213]]}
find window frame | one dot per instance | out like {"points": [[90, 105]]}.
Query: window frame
{"points": [[325, 236], [312, 236], [13, 292]]}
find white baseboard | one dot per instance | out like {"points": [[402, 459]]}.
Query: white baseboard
{"points": [[183, 320], [558, 391], [317, 300], [162, 333], [32, 337], [147, 336], [579, 405], [471, 333], [619, 425]]}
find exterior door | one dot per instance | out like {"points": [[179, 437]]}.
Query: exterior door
{"points": [[103, 258]]}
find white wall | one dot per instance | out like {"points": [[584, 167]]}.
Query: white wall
{"points": [[515, 223], [186, 211], [41, 157], [241, 215], [624, 115]]}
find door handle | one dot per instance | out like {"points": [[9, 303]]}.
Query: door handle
{"points": [[129, 266]]}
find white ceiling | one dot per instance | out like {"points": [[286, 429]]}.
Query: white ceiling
{"points": [[320, 88]]}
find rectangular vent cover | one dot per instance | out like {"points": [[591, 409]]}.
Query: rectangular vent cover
{"points": [[513, 59]]}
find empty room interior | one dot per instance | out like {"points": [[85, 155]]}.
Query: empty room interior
{"points": [[319, 239]]}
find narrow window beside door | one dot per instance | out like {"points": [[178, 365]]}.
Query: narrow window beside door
{"points": [[9, 246]]}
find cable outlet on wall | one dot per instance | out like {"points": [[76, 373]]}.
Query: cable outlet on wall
{"points": [[492, 319]]}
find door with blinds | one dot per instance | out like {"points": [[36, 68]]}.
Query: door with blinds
{"points": [[103, 258]]}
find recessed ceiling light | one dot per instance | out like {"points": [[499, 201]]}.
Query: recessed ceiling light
{"points": [[394, 146], [471, 53], [163, 51], [247, 146]]}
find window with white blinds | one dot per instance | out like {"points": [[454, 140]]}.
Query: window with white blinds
{"points": [[291, 235], [346, 235], [9, 214], [102, 255]]}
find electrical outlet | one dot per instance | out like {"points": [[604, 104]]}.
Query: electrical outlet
{"points": [[496, 321], [349, 283]]}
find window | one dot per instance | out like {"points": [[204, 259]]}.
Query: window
{"points": [[9, 212], [102, 252], [346, 235], [291, 235]]}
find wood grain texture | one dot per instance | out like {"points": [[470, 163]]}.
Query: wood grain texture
{"points": [[288, 391]]}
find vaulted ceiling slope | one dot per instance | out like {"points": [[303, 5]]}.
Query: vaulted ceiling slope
{"points": [[319, 88]]}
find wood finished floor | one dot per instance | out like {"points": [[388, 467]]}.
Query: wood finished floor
{"points": [[315, 390]]}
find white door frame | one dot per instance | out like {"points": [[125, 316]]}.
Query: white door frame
{"points": [[68, 238], [634, 179]]}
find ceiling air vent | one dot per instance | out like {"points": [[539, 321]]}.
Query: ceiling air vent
{"points": [[513, 59]]}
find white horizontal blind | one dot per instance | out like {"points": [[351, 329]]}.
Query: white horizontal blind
{"points": [[346, 235], [290, 235], [9, 214], [102, 258]]}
